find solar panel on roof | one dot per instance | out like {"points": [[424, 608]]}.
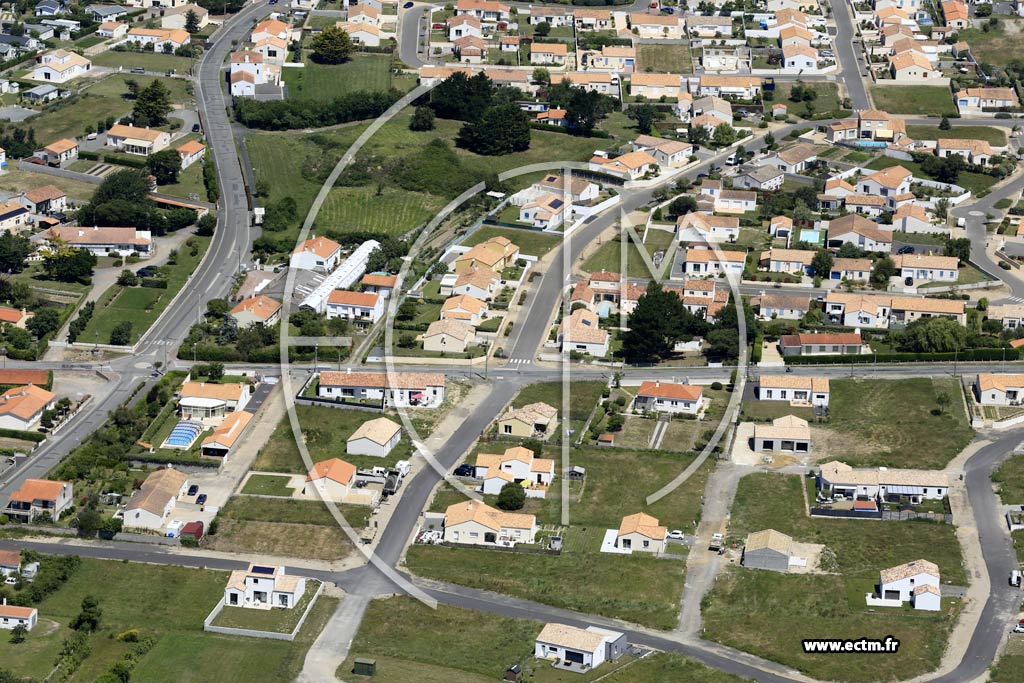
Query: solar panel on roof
{"points": [[262, 570], [557, 204]]}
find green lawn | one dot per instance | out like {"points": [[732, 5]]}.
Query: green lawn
{"points": [[268, 485], [826, 100], [326, 430], [1010, 480], [664, 58], [967, 275], [150, 61], [393, 211], [994, 136], [894, 419], [328, 81], [89, 41], [530, 242], [20, 181], [783, 609], [272, 620], [922, 100], [190, 181], [994, 47], [763, 411], [620, 126], [975, 182], [141, 305], [609, 255]]}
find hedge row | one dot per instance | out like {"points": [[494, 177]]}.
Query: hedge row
{"points": [[907, 357], [24, 436]]}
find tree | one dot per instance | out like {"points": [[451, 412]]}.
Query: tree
{"points": [[133, 93], [89, 618], [883, 269], [723, 344], [802, 213], [822, 263], [769, 141], [542, 29], [165, 165], [659, 320], [645, 115], [541, 76], [943, 400], [960, 247], [724, 135], [406, 310], [121, 335], [698, 135], [941, 208], [68, 264], [206, 225], [511, 497], [462, 98], [331, 46], [18, 634], [217, 308], [932, 335], [127, 278], [585, 108], [191, 21], [682, 205], [215, 370], [944, 124], [14, 249], [45, 321], [422, 119], [152, 105], [501, 130]]}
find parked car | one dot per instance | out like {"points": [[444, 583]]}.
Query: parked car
{"points": [[906, 249], [1015, 578], [10, 581], [676, 535], [195, 128], [138, 70], [201, 500], [465, 470], [148, 271], [407, 5], [909, 282], [91, 136], [193, 490], [1019, 628]]}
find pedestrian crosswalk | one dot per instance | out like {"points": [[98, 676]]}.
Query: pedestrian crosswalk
{"points": [[1017, 299], [519, 361]]}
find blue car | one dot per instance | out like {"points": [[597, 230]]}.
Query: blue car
{"points": [[407, 5]]}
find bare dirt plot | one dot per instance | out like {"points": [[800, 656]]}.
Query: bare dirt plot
{"points": [[280, 538], [636, 432]]}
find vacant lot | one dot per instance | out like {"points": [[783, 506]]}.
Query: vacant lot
{"points": [[664, 58], [20, 181], [826, 99], [268, 485], [150, 61], [994, 136], [1010, 480], [898, 421], [789, 608], [998, 46], [390, 210], [922, 100], [530, 242], [325, 430], [609, 255], [327, 81]]}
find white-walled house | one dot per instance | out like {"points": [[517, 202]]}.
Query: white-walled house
{"points": [[377, 437], [668, 397], [137, 140], [577, 649], [150, 506], [641, 533], [358, 307], [332, 479], [316, 253], [474, 523], [928, 268], [710, 262], [999, 389], [517, 465], [403, 389], [916, 582], [12, 616], [794, 389], [885, 483], [60, 66], [263, 587], [581, 332], [38, 497]]}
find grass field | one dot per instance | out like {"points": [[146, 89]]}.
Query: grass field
{"points": [[788, 608], [664, 58], [393, 211], [268, 485], [923, 100], [21, 181], [404, 637], [894, 420], [325, 82], [150, 61], [609, 255], [827, 99], [583, 398], [273, 620], [975, 182], [326, 430], [190, 181], [141, 305], [995, 47], [762, 411], [169, 604], [530, 242], [1010, 480], [994, 136], [289, 528]]}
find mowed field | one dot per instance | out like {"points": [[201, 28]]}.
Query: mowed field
{"points": [[664, 58], [923, 100], [327, 81]]}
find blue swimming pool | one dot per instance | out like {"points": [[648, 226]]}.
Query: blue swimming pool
{"points": [[184, 434]]}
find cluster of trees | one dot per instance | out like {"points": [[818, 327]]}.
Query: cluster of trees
{"points": [[123, 199], [801, 93], [331, 46], [583, 108], [152, 103], [290, 114], [19, 142], [494, 125]]}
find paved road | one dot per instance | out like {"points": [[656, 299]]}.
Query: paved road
{"points": [[850, 65], [975, 216]]}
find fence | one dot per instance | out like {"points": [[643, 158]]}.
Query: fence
{"points": [[251, 633], [847, 514], [502, 548], [905, 515]]}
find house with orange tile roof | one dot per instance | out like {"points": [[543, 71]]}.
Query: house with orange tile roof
{"points": [[137, 140], [859, 231], [60, 66], [798, 390], [379, 283], [190, 152], [999, 389], [177, 17], [592, 19], [497, 253], [517, 465], [377, 437], [641, 533], [656, 26], [106, 241], [15, 316], [927, 268], [331, 479], [668, 397], [629, 166], [256, 309], [549, 54], [150, 507], [363, 308], [22, 407], [161, 40], [225, 436], [13, 616], [316, 253], [474, 523], [399, 389], [38, 497], [956, 14], [712, 261], [479, 283], [211, 403], [485, 10], [58, 152]]}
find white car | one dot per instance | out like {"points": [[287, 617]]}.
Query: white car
{"points": [[676, 535], [10, 581], [1019, 628]]}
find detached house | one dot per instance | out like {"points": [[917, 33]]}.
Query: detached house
{"points": [[821, 344], [641, 533], [796, 261], [927, 268], [360, 307], [794, 389], [885, 483], [534, 420], [211, 403], [475, 523], [976, 101], [911, 217], [739, 87], [497, 253], [795, 159], [263, 587], [1010, 315], [331, 479], [629, 166], [588, 19], [150, 506], [22, 407], [485, 10], [547, 211], [859, 231], [463, 26], [190, 152], [711, 262], [973, 151], [317, 253], [377, 437], [60, 66], [137, 140], [449, 336], [853, 269], [59, 152], [668, 397], [119, 242], [518, 466], [223, 439], [550, 54], [764, 178], [783, 306], [654, 86], [402, 389], [256, 309], [999, 389], [788, 434], [700, 227], [577, 649], [668, 153], [915, 582], [581, 333], [38, 497]]}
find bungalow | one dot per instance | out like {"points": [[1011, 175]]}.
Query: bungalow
{"points": [[14, 316], [911, 217], [263, 587], [47, 199], [150, 506], [256, 309], [629, 166], [866, 205], [907, 309], [915, 582], [800, 390], [795, 35], [271, 28], [517, 465], [377, 437], [60, 66], [547, 211], [486, 10], [225, 436], [576, 191], [700, 227], [666, 26], [497, 253], [13, 616], [50, 8], [927, 267], [581, 333], [463, 26], [885, 483], [780, 227], [973, 151], [177, 17], [642, 533], [475, 523], [911, 66], [470, 49], [335, 479], [764, 178], [709, 26], [587, 19], [796, 261], [654, 86], [531, 421], [788, 434], [59, 152], [137, 140], [795, 159], [578, 649], [398, 389], [316, 253], [1002, 389], [821, 344], [739, 87], [14, 217], [977, 100], [552, 16], [615, 58], [479, 283], [161, 40], [591, 81], [668, 153], [40, 498], [449, 336], [735, 201], [363, 308], [379, 283], [852, 269], [799, 57], [1010, 315], [773, 306], [119, 242], [190, 152], [112, 29], [102, 13], [711, 106], [859, 231], [767, 549], [464, 308], [837, 187], [10, 562], [668, 397], [22, 407], [713, 262], [208, 402]]}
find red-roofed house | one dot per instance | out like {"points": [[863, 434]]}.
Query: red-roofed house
{"points": [[316, 253], [37, 497], [359, 307], [668, 397]]}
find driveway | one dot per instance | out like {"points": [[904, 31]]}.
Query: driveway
{"points": [[16, 114]]}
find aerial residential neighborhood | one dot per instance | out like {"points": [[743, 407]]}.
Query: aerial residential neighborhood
{"points": [[473, 340]]}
